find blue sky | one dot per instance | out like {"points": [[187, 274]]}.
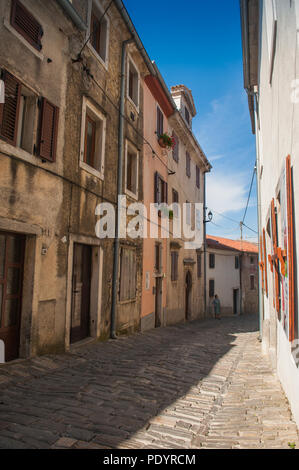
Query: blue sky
{"points": [[198, 44]]}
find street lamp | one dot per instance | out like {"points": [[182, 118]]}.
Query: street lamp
{"points": [[210, 217]]}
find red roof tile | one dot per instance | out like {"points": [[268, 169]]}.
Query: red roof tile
{"points": [[227, 244]]}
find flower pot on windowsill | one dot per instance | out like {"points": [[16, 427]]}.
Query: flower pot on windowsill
{"points": [[162, 143]]}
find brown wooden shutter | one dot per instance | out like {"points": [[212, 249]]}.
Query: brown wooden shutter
{"points": [[197, 176], [25, 23], [165, 197], [48, 130], [265, 261], [160, 125], [156, 188], [175, 151], [10, 109], [188, 162]]}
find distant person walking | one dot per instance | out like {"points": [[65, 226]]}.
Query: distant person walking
{"points": [[217, 307]]}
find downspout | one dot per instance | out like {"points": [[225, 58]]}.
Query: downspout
{"points": [[261, 298], [119, 188], [73, 15], [205, 247]]}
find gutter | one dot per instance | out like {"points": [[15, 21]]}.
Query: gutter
{"points": [[119, 189], [73, 15]]}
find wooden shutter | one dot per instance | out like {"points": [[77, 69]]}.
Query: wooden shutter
{"points": [[265, 262], [291, 274], [175, 151], [48, 131], [25, 23], [10, 109], [160, 125], [188, 161], [156, 188], [165, 191], [197, 176]]}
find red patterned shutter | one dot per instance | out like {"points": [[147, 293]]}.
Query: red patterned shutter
{"points": [[48, 131], [291, 273], [275, 261], [265, 262], [25, 23], [10, 109]]}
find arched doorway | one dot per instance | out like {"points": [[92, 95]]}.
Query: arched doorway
{"points": [[188, 295]]}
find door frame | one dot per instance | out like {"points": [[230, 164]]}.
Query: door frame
{"points": [[96, 286], [188, 295], [16, 329]]}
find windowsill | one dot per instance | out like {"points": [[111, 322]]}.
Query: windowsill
{"points": [[19, 153], [133, 104], [125, 302], [38, 54], [132, 195], [92, 170], [97, 56]]}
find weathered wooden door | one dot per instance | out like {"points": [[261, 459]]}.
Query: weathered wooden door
{"points": [[11, 280], [80, 327]]}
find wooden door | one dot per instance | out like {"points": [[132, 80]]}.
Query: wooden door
{"points": [[80, 327], [158, 303], [11, 280]]}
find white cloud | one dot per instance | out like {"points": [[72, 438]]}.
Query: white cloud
{"points": [[226, 192]]}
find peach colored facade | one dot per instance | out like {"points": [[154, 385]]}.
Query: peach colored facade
{"points": [[154, 285]]}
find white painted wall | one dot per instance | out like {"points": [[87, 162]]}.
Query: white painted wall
{"points": [[277, 137], [226, 277]]}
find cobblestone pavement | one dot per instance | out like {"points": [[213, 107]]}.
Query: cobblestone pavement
{"points": [[198, 385]]}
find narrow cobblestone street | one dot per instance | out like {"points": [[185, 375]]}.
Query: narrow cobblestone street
{"points": [[198, 385]]}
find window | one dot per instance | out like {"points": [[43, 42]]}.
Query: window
{"points": [[160, 189], [237, 262], [175, 200], [160, 125], [98, 33], [212, 261], [198, 265], [197, 177], [174, 266], [187, 115], [176, 149], [133, 83], [211, 288], [251, 260], [18, 119], [26, 25], [252, 282], [188, 165], [127, 287], [93, 139], [132, 160], [188, 213]]}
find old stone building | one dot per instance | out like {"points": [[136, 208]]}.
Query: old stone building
{"points": [[71, 138], [188, 166]]}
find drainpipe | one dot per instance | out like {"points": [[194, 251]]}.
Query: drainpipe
{"points": [[119, 188], [205, 247], [72, 13], [261, 298]]}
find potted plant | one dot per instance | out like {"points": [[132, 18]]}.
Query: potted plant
{"points": [[165, 141]]}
